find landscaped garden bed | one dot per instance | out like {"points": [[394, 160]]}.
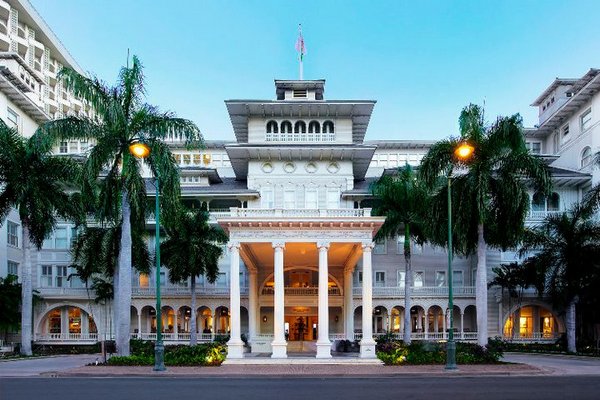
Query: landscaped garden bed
{"points": [[142, 353]]}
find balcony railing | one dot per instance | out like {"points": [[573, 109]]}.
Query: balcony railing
{"points": [[301, 291], [298, 212], [433, 291], [541, 215], [184, 291], [532, 337], [67, 337]]}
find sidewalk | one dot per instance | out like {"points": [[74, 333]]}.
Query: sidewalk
{"points": [[242, 371]]}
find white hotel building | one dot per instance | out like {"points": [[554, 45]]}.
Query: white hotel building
{"points": [[292, 192]]}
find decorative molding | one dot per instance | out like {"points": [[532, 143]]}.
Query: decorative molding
{"points": [[278, 245], [233, 244], [368, 246], [273, 235], [323, 245]]}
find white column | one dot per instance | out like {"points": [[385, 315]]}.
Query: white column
{"points": [[445, 323], [348, 305], [235, 346], [367, 344], [323, 343], [462, 320], [435, 321], [252, 304], [426, 323], [139, 318], [279, 345]]}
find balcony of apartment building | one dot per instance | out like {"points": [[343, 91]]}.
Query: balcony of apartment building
{"points": [[4, 10], [22, 42]]}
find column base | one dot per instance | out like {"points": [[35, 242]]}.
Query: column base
{"points": [[235, 349], [279, 349], [324, 350], [367, 348]]}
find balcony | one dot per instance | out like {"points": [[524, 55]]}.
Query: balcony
{"points": [[299, 212], [65, 292], [182, 291], [4, 9], [541, 215], [301, 291], [423, 291]]}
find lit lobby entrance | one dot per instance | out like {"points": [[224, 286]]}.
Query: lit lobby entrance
{"points": [[301, 327]]}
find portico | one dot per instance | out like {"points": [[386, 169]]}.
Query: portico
{"points": [[297, 263]]}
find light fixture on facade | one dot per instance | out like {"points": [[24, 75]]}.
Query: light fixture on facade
{"points": [[264, 318]]}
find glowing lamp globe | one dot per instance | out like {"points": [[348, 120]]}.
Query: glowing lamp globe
{"points": [[139, 149], [464, 151]]}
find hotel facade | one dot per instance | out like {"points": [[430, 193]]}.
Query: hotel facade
{"points": [[301, 270]]}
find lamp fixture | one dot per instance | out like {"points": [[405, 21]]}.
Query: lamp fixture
{"points": [[264, 318]]}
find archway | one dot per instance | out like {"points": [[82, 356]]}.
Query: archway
{"points": [[380, 320], [221, 320], [67, 323], [532, 322], [397, 319], [204, 323], [435, 322]]}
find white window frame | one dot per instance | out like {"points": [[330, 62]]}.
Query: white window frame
{"points": [[565, 133], [63, 147], [414, 282], [12, 267], [287, 203], [13, 118], [444, 282], [331, 195], [46, 280], [585, 120], [380, 247], [267, 198], [401, 278], [530, 147], [586, 160], [12, 234], [315, 192], [400, 244], [378, 283], [456, 273], [56, 238]]}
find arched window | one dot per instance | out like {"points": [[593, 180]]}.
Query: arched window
{"points": [[300, 127], [327, 127], [286, 127], [272, 127], [586, 157], [314, 127], [538, 202], [553, 203]]}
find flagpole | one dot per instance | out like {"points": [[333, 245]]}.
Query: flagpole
{"points": [[301, 69]]}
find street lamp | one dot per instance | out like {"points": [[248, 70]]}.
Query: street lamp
{"points": [[141, 150], [463, 152]]}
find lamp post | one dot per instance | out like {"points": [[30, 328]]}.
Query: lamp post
{"points": [[463, 152], [141, 150]]}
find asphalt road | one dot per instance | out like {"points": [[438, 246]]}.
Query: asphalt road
{"points": [[303, 388]]}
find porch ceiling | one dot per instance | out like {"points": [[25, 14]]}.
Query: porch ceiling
{"points": [[299, 254]]}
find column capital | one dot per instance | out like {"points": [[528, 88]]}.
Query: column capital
{"points": [[323, 245], [367, 246], [233, 244], [278, 245]]}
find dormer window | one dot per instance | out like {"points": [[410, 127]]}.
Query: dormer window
{"points": [[300, 93]]}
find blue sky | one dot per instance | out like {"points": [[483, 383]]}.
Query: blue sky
{"points": [[421, 60]]}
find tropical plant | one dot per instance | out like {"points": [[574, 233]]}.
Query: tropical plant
{"points": [[121, 117], [489, 193], [34, 182], [403, 199], [10, 304], [192, 248], [566, 259], [512, 278]]}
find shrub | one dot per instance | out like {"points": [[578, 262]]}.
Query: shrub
{"points": [[142, 353], [416, 353]]}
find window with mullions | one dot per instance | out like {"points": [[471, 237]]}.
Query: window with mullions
{"points": [[440, 278], [12, 233], [12, 268]]}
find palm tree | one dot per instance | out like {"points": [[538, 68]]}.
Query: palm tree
{"points": [[403, 200], [193, 248], [490, 197], [566, 259], [34, 183], [95, 255], [122, 118]]}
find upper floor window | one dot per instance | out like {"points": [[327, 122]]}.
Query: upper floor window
{"points": [[12, 233], [286, 127], [586, 156], [440, 278], [534, 147], [300, 127], [266, 197], [565, 133], [311, 199], [585, 120], [540, 202], [457, 278], [333, 199], [418, 279], [12, 268], [314, 127], [13, 118], [272, 127], [289, 199], [380, 247], [379, 278]]}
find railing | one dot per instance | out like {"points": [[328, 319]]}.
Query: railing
{"points": [[177, 337], [67, 337], [301, 291], [465, 336], [532, 337], [434, 291], [541, 215], [184, 291], [299, 213], [65, 291]]}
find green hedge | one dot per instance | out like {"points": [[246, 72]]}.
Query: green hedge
{"points": [[142, 353], [417, 353]]}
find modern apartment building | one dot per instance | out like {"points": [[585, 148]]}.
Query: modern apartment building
{"points": [[292, 191]]}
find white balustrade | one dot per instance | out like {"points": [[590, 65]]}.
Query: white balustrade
{"points": [[432, 291], [236, 212], [301, 291], [541, 215]]}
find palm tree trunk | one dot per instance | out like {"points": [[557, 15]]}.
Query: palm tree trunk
{"points": [[124, 289], [407, 284], [26, 295], [193, 333], [114, 313], [481, 297], [571, 341]]}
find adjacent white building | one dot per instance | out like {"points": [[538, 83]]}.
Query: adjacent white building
{"points": [[301, 268]]}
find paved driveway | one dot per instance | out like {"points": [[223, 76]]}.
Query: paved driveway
{"points": [[25, 367], [558, 364]]}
